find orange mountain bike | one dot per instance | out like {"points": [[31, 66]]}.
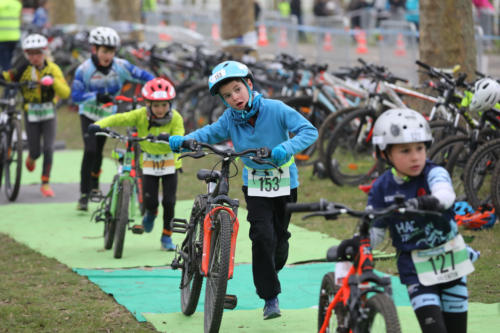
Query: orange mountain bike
{"points": [[209, 246], [353, 299]]}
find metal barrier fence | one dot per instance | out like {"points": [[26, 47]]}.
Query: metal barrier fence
{"points": [[393, 44]]}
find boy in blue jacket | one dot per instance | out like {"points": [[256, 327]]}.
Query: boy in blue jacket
{"points": [[252, 121], [438, 296], [97, 81]]}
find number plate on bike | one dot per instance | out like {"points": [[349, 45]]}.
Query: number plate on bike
{"points": [[269, 183], [444, 263], [158, 164]]}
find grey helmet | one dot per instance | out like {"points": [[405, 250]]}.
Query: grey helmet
{"points": [[400, 126]]}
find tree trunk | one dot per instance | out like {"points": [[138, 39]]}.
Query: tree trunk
{"points": [[447, 34], [237, 19], [127, 10], [61, 11]]}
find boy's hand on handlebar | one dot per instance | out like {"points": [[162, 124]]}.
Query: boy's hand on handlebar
{"points": [[104, 98], [426, 202], [93, 129], [175, 142], [279, 155]]}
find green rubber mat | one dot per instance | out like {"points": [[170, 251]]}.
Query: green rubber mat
{"points": [[65, 168], [58, 230], [157, 290]]}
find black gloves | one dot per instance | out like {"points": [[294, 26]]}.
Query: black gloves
{"points": [[163, 137], [93, 129], [426, 202], [104, 98]]}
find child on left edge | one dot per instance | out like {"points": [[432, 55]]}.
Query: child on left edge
{"points": [[155, 118]]}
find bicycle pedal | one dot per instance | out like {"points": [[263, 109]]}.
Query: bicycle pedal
{"points": [[137, 229], [230, 301], [176, 264], [179, 225], [96, 196]]}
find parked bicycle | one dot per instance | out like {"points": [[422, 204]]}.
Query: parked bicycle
{"points": [[354, 298], [11, 143], [117, 207], [209, 246]]}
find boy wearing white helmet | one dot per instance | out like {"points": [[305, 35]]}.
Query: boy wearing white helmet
{"points": [[39, 107], [96, 82], [439, 296]]}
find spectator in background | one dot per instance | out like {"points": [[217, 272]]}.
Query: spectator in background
{"points": [[284, 8], [148, 7], [355, 9], [412, 12], [296, 10], [256, 10], [485, 15], [397, 9], [10, 30], [41, 17], [324, 8]]}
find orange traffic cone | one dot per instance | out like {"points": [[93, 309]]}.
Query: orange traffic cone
{"points": [[192, 26], [400, 46], [360, 36], [163, 36], [327, 42], [283, 38], [262, 41], [215, 32]]}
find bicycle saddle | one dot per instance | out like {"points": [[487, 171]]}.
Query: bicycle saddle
{"points": [[208, 175]]}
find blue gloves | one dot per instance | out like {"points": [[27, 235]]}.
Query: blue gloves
{"points": [[93, 129], [279, 155], [175, 142]]}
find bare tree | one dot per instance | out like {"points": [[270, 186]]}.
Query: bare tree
{"points": [[62, 11], [237, 19], [126, 10], [447, 34]]}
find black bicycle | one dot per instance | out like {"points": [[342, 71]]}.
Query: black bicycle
{"points": [[209, 245], [11, 143]]}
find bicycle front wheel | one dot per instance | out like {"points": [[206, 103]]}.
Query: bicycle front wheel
{"points": [[218, 270], [14, 161], [122, 216], [192, 280], [110, 222], [327, 293], [495, 188], [382, 315]]}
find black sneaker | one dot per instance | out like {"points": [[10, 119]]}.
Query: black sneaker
{"points": [[83, 202]]}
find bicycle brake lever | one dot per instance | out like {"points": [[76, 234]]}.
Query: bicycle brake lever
{"points": [[196, 154], [329, 215]]}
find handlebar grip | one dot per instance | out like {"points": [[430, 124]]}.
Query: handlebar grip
{"points": [[189, 144], [304, 207], [421, 64]]}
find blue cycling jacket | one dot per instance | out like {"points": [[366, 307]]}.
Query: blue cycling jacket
{"points": [[89, 81], [412, 232], [275, 120]]}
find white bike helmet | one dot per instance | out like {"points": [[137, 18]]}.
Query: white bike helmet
{"points": [[486, 95], [34, 41], [400, 126], [104, 36]]}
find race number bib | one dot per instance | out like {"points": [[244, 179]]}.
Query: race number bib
{"points": [[40, 111], [158, 164], [96, 112], [269, 183], [443, 263]]}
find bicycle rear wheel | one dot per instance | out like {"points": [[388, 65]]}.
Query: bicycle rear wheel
{"points": [[192, 280], [382, 315], [122, 216], [327, 292], [218, 270], [495, 189], [479, 171], [350, 154], [14, 161]]}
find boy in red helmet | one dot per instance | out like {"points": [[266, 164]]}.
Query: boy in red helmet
{"points": [[155, 118]]}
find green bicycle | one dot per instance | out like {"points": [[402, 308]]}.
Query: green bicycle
{"points": [[118, 207]]}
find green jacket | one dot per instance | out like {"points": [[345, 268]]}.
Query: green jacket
{"points": [[10, 20], [139, 119]]}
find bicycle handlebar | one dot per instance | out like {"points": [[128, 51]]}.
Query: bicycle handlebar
{"points": [[129, 138], [196, 146]]}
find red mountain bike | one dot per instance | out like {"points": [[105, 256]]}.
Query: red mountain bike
{"points": [[359, 300]]}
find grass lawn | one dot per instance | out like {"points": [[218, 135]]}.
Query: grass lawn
{"points": [[37, 293]]}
